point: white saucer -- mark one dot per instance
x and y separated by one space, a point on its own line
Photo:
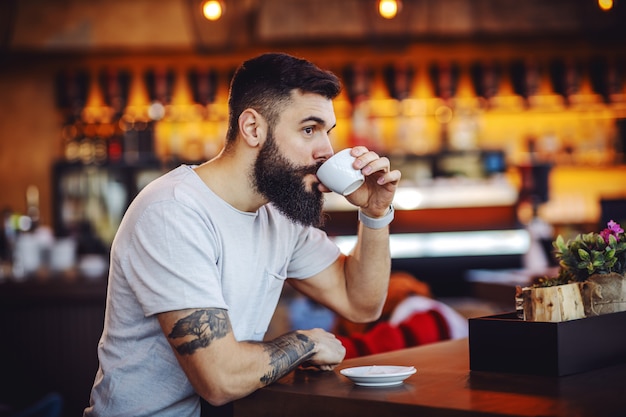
378 376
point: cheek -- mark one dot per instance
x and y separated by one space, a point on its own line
301 156
297 150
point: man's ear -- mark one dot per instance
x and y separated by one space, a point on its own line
252 127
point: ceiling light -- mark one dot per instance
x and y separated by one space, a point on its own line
389 8
605 4
212 9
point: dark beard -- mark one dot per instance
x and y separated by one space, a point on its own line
282 184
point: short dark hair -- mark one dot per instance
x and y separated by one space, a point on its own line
265 83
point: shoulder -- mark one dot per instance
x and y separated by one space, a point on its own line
176 199
180 186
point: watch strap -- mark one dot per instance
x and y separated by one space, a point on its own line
378 223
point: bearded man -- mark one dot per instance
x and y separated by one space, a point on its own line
201 256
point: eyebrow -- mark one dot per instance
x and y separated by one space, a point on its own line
317 120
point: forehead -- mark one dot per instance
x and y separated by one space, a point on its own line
306 107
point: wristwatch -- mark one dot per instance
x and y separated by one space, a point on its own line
377 223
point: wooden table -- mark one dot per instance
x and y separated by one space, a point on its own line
442 386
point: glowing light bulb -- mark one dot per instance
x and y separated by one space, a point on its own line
388 8
605 4
212 9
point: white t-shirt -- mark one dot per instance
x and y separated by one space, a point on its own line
180 246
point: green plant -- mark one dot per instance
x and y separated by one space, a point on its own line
546 281
591 253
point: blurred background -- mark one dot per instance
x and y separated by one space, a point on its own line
507 119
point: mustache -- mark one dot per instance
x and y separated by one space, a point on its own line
308 169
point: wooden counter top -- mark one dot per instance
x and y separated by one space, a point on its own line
442 386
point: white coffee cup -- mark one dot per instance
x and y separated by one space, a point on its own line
338 174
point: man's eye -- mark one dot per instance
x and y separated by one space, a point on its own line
308 130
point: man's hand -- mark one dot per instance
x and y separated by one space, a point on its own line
376 195
329 352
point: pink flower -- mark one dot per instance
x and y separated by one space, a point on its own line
612 229
615 227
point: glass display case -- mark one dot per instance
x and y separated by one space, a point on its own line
90 200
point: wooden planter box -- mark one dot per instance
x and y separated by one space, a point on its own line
600 294
505 343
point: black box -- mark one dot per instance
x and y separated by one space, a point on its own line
505 343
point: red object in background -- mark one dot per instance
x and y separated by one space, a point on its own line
424 328
381 338
418 329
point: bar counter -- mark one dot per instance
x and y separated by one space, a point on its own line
442 386
50 327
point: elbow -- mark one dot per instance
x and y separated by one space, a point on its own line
220 391
374 315
217 400
219 397
367 315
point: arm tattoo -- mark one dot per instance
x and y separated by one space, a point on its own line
286 353
204 326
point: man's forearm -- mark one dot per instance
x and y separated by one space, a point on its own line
222 369
367 270
286 353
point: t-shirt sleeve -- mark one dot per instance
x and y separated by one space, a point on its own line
313 253
171 264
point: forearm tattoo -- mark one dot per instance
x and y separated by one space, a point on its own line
286 353
203 326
